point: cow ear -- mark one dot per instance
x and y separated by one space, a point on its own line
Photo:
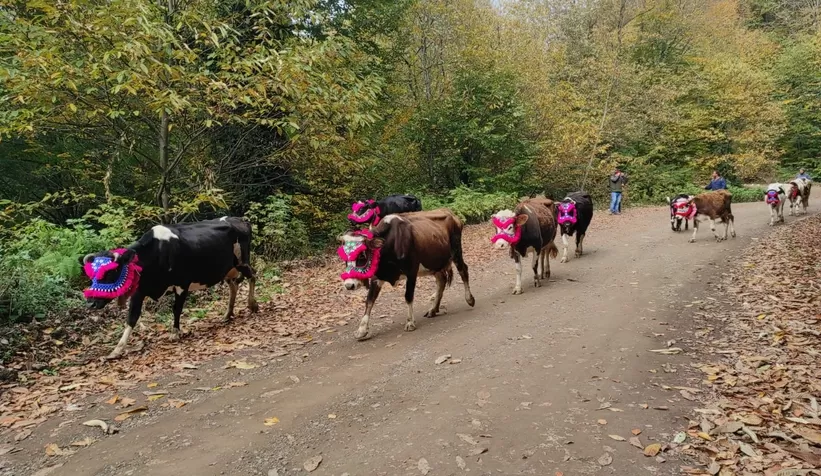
521 219
377 243
126 257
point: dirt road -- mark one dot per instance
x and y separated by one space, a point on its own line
535 383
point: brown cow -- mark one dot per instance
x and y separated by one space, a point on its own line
714 205
411 245
531 225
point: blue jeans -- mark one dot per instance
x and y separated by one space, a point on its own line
615 201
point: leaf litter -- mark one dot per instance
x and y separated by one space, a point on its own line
761 415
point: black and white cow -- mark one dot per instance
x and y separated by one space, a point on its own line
180 258
799 195
370 212
574 214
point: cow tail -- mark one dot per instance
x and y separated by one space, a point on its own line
553 250
456 245
448 276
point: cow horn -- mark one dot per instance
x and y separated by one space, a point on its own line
88 258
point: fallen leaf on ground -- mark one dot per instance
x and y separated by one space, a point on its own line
635 431
127 402
478 451
99 423
460 462
602 422
271 421
152 385
240 364
128 414
616 437
158 396
53 450
442 359
652 450
467 438
236 384
635 441
113 400
605 459
22 435
312 463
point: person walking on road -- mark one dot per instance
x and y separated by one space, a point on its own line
617 182
717 183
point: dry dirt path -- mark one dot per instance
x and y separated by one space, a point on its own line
536 379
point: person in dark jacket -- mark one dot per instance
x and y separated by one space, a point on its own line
617 182
717 183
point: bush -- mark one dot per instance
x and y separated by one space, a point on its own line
277 233
471 206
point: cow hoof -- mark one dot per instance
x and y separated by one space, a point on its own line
113 355
472 301
410 326
432 313
174 336
691 240
564 259
537 283
578 254
253 307
732 234
361 335
517 291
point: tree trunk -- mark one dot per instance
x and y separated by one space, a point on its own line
164 194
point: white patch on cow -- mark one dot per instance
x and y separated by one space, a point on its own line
518 288
238 251
352 284
350 237
224 219
391 218
163 233
564 244
410 325
118 350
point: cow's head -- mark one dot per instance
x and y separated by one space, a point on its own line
793 190
681 208
772 198
508 228
364 212
114 275
360 251
567 215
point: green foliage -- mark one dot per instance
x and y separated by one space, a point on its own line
277 234
470 205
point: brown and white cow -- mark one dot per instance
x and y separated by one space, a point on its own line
714 205
406 245
531 225
799 194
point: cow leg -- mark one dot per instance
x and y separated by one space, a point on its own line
461 266
579 245
781 212
731 225
410 287
232 298
695 230
373 293
441 281
713 229
135 308
517 258
545 265
564 253
179 303
772 215
537 255
251 276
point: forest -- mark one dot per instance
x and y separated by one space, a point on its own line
119 114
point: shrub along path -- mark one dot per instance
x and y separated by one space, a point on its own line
566 378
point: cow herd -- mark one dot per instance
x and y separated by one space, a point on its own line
389 240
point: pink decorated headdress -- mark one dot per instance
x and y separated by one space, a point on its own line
503 224
567 213
364 212
125 284
350 251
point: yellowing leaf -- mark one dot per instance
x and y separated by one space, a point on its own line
152 385
155 397
271 421
113 400
126 415
705 436
53 450
332 416
652 450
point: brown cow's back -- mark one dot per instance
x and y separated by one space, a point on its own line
545 211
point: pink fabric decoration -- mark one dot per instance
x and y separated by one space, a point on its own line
772 197
126 284
348 253
567 213
370 214
684 209
502 225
